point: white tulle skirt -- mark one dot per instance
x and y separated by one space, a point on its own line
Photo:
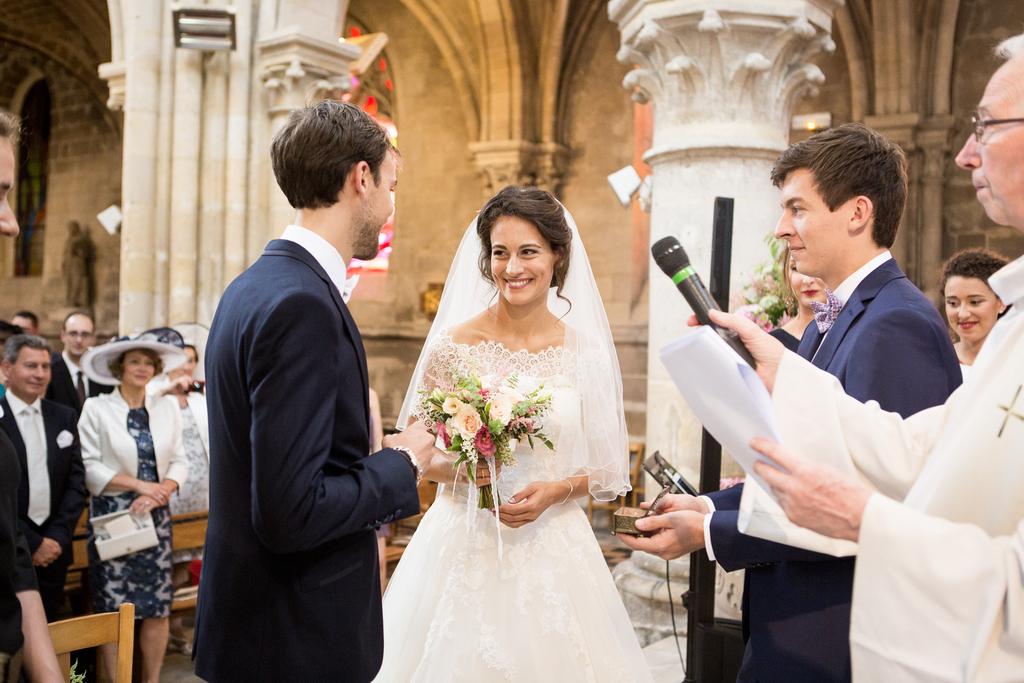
548 611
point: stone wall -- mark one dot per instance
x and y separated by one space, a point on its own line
84 178
981 26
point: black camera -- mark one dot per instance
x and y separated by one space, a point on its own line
666 475
196 386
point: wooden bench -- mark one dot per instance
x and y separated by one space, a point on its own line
189 531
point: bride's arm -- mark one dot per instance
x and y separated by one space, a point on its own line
530 503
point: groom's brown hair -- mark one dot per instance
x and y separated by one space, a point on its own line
316 150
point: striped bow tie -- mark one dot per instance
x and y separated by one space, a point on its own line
826 313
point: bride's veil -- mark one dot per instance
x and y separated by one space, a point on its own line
598 445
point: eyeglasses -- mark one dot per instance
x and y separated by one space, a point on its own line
80 335
979 125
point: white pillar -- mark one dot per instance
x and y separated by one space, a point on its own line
722 82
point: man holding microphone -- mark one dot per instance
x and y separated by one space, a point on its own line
935 501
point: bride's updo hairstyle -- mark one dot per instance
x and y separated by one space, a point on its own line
537 207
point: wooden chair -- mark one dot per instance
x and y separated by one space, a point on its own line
97 629
189 531
636 481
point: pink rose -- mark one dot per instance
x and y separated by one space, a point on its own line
443 433
484 443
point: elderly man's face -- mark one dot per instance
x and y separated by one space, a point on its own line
997 162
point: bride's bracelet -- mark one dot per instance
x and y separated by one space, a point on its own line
569 482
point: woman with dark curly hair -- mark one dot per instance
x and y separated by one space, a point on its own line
972 308
520 592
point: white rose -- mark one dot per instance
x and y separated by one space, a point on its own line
512 394
467 421
501 408
487 381
452 405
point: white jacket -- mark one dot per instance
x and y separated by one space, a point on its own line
108 448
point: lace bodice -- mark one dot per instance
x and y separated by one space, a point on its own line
531 370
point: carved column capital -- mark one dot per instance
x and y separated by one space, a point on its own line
506 162
935 138
114 74
295 67
733 71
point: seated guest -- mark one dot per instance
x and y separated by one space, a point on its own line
972 308
69 385
194 494
804 289
134 460
27 321
51 495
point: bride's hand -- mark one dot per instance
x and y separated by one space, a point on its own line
483 474
527 505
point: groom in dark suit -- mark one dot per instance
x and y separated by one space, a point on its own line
843 193
290 587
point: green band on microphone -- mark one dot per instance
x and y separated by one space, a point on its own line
683 274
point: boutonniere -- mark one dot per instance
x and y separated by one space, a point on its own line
65 439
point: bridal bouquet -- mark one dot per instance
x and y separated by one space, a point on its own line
486 417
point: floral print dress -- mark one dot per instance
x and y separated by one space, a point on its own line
143 577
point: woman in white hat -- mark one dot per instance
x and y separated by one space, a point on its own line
134 460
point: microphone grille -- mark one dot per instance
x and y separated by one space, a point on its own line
669 255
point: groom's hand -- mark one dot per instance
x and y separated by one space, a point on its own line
418 440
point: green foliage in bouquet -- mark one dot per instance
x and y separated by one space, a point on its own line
767 299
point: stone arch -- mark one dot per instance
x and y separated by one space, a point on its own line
577 30
33 76
454 48
942 67
850 20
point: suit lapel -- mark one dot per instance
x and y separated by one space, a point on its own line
290 249
866 291
51 428
11 425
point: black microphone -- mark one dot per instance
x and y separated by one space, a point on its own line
671 258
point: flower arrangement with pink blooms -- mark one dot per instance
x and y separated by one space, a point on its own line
766 300
486 418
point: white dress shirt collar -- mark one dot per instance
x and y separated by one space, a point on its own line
17 405
844 291
1008 283
75 371
324 253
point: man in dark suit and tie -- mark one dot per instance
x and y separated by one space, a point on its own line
843 193
68 384
52 493
290 589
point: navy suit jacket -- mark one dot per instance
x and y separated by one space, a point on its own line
62 389
889 345
290 585
68 494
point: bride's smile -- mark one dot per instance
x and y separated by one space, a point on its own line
522 261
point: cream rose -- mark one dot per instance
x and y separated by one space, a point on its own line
451 405
501 408
467 422
512 394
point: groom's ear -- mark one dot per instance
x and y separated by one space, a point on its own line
360 179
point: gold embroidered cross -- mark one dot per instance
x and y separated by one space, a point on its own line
1009 411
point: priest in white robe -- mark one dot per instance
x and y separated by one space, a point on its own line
936 501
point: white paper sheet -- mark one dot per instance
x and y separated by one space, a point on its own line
725 394
732 403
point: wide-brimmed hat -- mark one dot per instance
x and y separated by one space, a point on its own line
166 341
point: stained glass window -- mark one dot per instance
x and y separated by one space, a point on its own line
373 91
33 153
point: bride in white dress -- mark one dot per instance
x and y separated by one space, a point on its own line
530 599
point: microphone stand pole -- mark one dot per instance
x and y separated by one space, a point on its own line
711 650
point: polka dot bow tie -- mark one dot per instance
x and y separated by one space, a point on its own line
826 313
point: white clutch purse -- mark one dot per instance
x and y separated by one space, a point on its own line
123 533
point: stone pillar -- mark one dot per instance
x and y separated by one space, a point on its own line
298 70
139 97
902 129
722 82
935 141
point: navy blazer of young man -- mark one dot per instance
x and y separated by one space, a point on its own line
290 586
889 344
62 388
68 494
